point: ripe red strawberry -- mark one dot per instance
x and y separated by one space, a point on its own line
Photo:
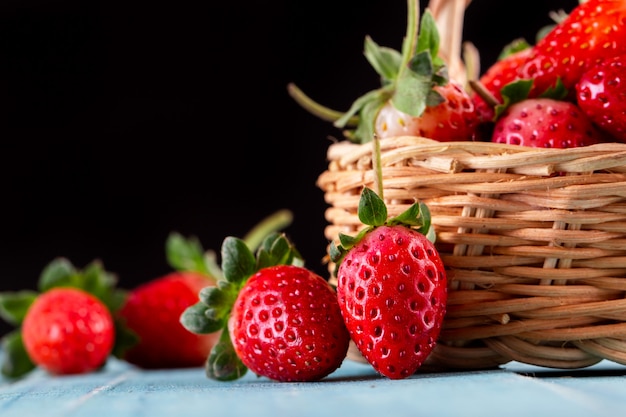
392 288
545 123
453 119
593 30
68 331
416 96
286 325
152 311
68 326
277 318
601 94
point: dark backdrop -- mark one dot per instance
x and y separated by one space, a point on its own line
122 121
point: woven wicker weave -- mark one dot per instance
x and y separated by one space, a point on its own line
534 242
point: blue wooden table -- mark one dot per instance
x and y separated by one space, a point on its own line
120 390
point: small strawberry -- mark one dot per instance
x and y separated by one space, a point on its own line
67 326
416 97
601 94
593 30
276 318
152 311
392 287
68 331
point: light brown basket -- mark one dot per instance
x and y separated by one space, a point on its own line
534 242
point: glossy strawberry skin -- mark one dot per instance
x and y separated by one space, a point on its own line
455 119
545 123
286 325
392 291
593 30
68 331
152 311
501 73
601 94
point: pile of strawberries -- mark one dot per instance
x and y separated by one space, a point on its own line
564 91
262 309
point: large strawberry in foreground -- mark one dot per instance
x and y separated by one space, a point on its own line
276 318
392 287
286 325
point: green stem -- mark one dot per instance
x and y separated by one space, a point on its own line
378 167
270 224
409 45
315 108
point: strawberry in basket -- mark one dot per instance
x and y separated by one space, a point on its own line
569 64
417 96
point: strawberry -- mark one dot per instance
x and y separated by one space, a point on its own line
416 96
68 331
601 94
68 326
286 325
452 119
392 287
593 30
545 123
152 311
276 318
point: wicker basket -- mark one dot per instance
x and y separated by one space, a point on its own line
534 242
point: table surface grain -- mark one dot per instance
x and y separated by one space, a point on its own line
121 390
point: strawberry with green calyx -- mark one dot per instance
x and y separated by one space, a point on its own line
96 287
391 284
276 317
152 310
416 96
548 121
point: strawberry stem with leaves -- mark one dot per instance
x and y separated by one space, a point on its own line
210 314
407 79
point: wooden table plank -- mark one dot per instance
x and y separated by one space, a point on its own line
121 390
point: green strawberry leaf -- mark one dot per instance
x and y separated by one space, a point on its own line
97 281
385 61
372 210
13 305
238 261
516 45
59 272
223 363
200 319
187 254
125 338
558 92
15 359
512 93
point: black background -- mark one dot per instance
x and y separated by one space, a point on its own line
122 121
